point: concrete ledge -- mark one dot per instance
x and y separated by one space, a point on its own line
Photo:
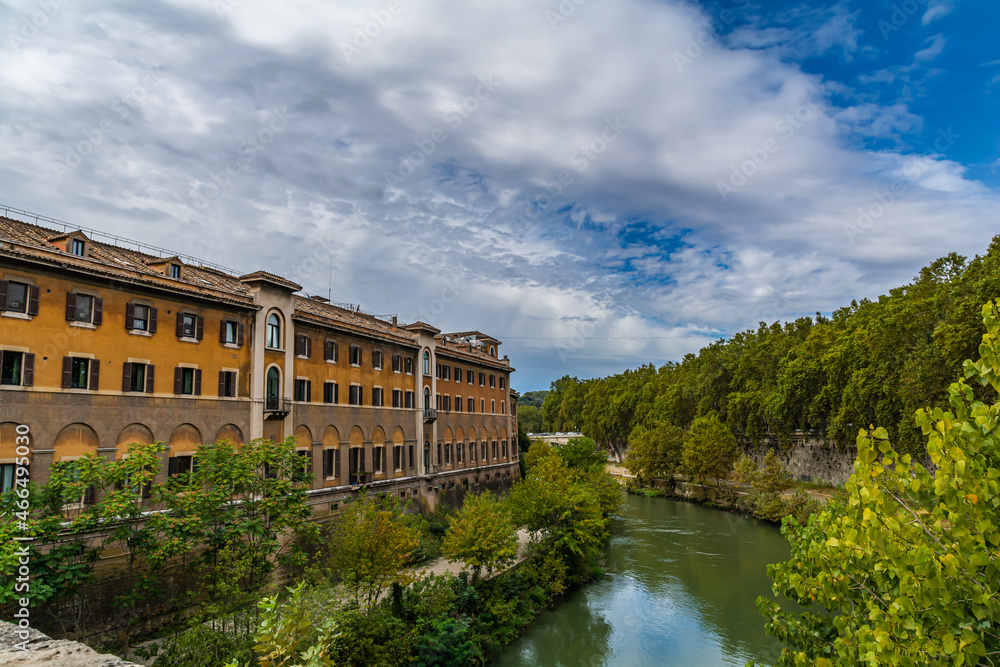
43 651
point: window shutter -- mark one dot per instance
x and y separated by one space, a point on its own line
180 324
299 346
89 496
70 306
178 381
222 377
3 295
28 376
67 374
309 391
95 374
98 311
328 350
336 352
152 320
200 329
239 334
149 378
126 376
129 316
172 466
222 333
197 382
309 346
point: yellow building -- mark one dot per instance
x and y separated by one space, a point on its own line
102 345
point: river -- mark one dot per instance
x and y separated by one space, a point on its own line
681 586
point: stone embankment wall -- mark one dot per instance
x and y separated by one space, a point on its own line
809 458
45 652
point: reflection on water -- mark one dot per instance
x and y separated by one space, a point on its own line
681 589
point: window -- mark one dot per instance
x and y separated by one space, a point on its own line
378 456
493 381
140 318
231 333
84 308
458 404
410 448
331 463
137 377
472 405
78 247
503 407
227 384
356 395
330 392
447 372
472 450
397 457
272 389
190 326
427 398
503 382
409 402
303 390
305 460
7 473
408 365
447 452
274 331
482 379
427 362
482 405
303 346
459 452
503 448
427 455
493 351
187 381
439 459
377 397
437 371
447 403
397 398
493 407
175 271
331 351
179 465
355 355
356 465
437 401
17 368
377 360
19 297
470 376
397 363
79 373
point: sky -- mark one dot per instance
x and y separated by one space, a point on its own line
598 183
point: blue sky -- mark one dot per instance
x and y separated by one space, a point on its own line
599 183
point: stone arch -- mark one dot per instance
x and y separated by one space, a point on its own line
398 436
230 432
185 438
483 435
459 434
131 435
331 437
503 433
303 436
356 437
282 328
378 436
493 433
447 434
76 440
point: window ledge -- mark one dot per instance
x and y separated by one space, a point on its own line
331 361
139 332
274 349
231 346
187 339
355 365
16 315
83 325
301 356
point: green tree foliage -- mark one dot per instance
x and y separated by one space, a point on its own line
907 567
369 545
709 450
581 454
531 417
655 452
481 535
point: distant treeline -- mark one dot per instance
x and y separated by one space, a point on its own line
873 362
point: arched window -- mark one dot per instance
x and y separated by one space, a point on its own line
493 351
273 331
272 390
427 398
427 455
427 362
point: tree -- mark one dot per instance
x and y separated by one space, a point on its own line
709 450
907 566
369 545
655 452
481 534
582 454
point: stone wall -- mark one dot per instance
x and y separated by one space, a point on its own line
45 652
810 458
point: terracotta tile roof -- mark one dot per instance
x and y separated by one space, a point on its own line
335 317
452 348
271 278
28 241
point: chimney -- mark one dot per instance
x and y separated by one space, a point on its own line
394 322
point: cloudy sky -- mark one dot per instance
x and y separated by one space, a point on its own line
599 183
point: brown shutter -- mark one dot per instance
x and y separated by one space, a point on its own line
152 320
98 311
95 374
200 329
239 334
70 306
197 382
222 380
222 333
67 373
150 369
328 350
3 294
129 317
336 352
309 391
309 346
178 380
28 377
171 466
298 345
180 324
126 376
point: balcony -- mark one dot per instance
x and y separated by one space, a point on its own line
276 409
430 415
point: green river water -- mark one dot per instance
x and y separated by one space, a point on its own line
681 586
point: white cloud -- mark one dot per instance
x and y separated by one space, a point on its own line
937 9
